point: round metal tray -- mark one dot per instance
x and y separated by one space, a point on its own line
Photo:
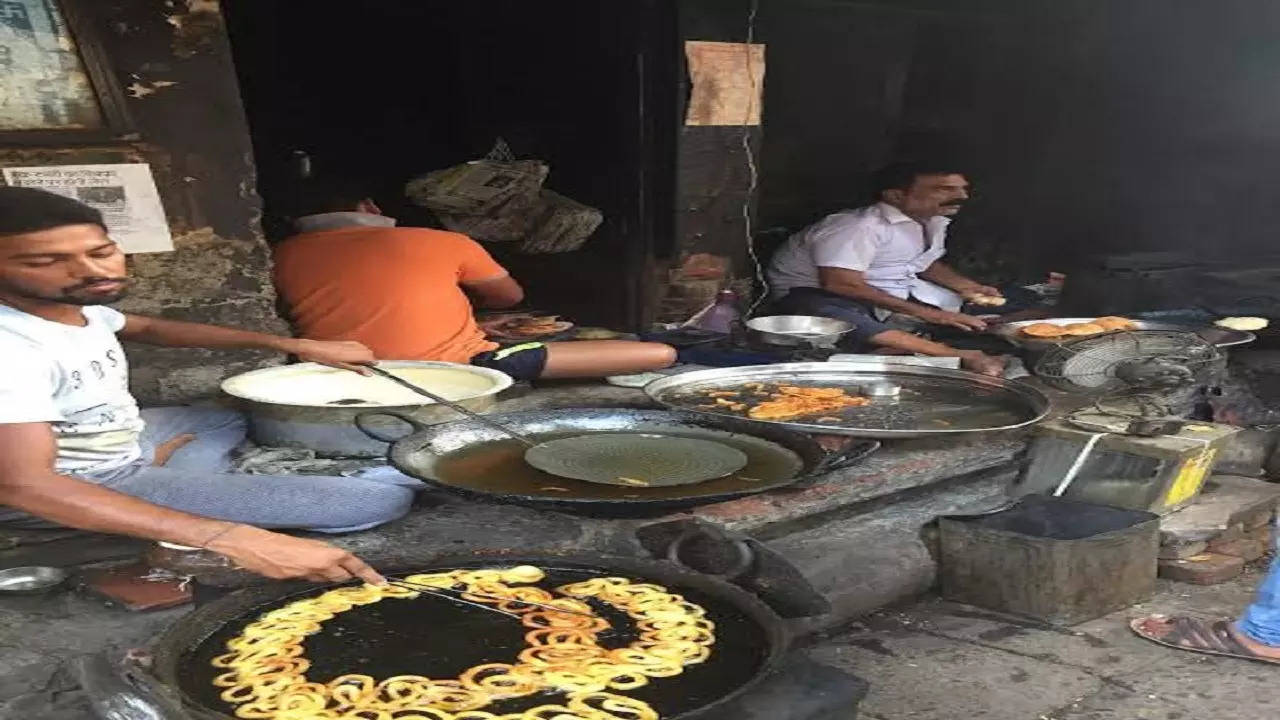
930 402
1220 337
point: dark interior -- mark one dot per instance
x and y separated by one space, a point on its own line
1086 127
393 89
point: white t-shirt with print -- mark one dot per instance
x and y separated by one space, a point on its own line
76 379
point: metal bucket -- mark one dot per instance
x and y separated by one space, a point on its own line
294 405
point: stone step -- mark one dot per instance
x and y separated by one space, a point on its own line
878 558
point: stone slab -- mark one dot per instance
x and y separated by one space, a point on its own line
1225 501
1182 550
1204 569
1245 548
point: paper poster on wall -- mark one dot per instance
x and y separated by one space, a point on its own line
728 83
125 194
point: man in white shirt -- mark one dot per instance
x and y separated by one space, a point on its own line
862 265
75 450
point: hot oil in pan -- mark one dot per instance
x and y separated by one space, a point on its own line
499 467
924 404
438 639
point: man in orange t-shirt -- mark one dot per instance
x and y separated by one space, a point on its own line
351 274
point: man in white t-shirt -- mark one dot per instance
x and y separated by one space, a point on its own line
862 265
75 450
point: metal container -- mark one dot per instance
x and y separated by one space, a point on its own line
1059 561
1156 474
931 401
32 580
314 406
798 330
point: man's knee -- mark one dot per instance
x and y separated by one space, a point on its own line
379 503
196 419
220 418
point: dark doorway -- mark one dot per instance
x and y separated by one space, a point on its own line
390 89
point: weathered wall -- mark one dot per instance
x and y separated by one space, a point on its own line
713 181
174 61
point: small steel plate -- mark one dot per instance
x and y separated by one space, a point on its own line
31 580
636 459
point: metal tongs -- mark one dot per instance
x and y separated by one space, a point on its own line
456 596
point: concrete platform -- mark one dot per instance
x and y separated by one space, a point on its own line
940 661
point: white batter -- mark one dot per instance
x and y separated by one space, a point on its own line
321 386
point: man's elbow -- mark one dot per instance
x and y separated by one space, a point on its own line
512 298
508 297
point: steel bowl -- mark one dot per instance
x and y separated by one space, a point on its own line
798 330
32 580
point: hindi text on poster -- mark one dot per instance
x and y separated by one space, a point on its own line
125 194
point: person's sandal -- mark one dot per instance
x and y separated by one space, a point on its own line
1208 637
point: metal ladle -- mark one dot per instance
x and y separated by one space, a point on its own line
453 406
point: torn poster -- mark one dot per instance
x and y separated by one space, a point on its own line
125 194
728 83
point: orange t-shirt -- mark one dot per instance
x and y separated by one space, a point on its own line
397 290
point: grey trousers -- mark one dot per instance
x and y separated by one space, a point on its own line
197 480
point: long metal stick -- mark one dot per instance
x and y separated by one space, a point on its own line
452 405
440 594
447 591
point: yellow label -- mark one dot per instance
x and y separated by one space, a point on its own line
1190 478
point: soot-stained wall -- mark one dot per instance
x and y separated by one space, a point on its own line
174 62
1087 127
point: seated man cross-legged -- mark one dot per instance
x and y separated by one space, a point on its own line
406 293
76 451
863 265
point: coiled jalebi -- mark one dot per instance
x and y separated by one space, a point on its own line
265 671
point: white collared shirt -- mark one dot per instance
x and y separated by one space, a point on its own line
887 247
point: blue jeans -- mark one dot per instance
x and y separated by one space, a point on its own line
197 480
821 303
1261 621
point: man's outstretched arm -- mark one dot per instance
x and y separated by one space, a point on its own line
175 333
29 482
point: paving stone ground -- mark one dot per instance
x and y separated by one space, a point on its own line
935 660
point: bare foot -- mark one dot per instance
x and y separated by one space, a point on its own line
1257 648
165 450
983 363
1212 637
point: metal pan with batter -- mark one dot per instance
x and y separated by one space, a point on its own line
475 460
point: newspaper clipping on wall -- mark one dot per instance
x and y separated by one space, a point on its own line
125 194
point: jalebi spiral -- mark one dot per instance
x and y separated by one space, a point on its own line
264 674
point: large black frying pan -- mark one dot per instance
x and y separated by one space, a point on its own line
473 459
436 638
